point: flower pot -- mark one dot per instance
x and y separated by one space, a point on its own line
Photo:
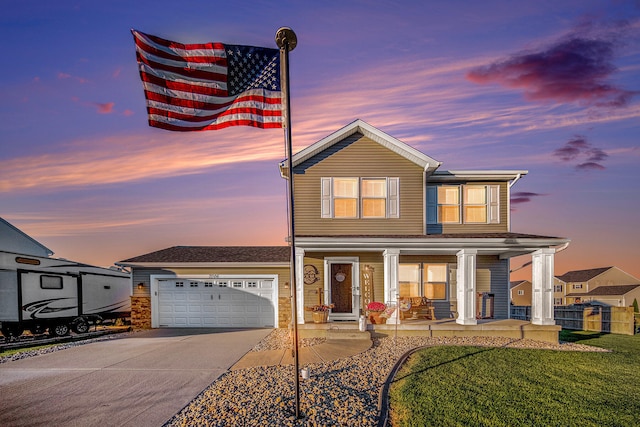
320 316
375 319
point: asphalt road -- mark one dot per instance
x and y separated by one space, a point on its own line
140 380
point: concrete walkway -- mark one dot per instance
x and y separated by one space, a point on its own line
338 346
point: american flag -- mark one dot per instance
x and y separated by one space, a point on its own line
209 86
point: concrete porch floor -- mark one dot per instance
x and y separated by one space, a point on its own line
508 328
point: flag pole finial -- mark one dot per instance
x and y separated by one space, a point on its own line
286 35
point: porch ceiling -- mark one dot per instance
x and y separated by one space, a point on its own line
504 245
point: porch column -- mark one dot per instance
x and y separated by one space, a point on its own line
466 287
391 267
542 287
300 284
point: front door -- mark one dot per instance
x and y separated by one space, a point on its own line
342 287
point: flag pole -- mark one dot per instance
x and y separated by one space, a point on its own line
286 40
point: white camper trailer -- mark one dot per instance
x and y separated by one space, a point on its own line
39 293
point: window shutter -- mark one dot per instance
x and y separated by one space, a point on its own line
493 204
325 198
432 204
393 202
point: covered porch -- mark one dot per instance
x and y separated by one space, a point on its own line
464 254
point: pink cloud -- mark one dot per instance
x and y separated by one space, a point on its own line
128 113
572 69
106 108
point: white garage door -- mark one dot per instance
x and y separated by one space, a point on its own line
221 302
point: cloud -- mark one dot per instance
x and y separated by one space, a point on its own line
521 197
590 166
579 148
136 158
106 108
65 76
573 69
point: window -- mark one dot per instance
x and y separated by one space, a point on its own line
423 280
374 198
50 282
345 197
449 204
557 301
520 292
468 204
348 197
557 288
475 203
578 286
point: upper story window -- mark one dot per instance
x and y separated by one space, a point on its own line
557 288
463 204
347 197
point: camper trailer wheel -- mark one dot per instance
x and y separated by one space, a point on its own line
37 329
10 331
59 330
80 326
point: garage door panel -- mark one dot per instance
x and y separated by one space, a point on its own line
238 302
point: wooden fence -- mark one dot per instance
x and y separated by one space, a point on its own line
615 320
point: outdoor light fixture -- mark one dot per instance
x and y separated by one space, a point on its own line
140 286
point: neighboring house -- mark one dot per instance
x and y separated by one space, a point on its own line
521 292
580 282
612 295
376 220
14 240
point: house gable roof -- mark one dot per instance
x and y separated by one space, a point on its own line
213 254
359 126
582 275
609 290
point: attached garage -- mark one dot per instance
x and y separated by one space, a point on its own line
210 302
211 287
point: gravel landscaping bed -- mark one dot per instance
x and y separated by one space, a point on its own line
344 392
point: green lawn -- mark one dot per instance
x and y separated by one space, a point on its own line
473 386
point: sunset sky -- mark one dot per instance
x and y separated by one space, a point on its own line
552 87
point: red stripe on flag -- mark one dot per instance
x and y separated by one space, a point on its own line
181 86
190 73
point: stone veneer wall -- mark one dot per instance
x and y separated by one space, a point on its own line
284 312
141 312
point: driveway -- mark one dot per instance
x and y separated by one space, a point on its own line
139 380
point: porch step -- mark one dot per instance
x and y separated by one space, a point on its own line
347 334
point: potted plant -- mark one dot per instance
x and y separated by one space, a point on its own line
374 310
320 312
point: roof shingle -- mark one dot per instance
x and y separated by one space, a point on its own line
188 254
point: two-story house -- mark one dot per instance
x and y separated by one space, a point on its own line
375 220
579 283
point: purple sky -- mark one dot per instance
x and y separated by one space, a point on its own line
552 87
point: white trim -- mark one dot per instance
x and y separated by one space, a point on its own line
542 287
155 278
466 287
355 286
